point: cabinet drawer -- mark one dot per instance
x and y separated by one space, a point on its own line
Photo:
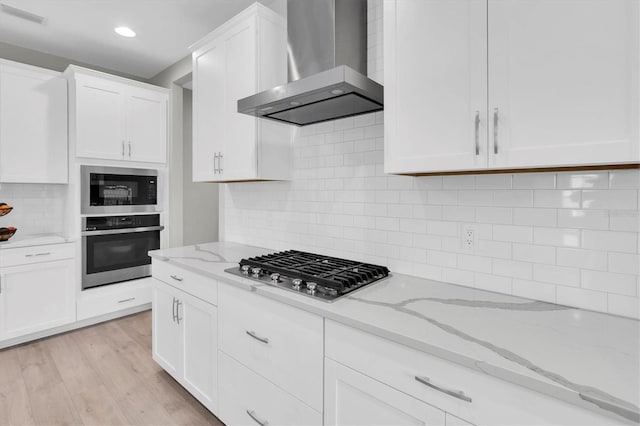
493 401
113 298
197 285
36 254
247 398
281 343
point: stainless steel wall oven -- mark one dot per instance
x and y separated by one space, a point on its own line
114 248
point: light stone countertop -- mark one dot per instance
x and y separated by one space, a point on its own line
19 240
582 357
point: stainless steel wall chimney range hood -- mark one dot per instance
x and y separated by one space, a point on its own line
327 61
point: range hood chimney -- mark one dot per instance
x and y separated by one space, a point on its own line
327 65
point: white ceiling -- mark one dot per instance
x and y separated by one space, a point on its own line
82 30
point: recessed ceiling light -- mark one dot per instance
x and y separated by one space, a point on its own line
125 31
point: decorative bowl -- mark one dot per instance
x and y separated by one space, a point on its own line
5 209
6 233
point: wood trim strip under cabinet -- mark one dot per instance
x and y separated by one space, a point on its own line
528 170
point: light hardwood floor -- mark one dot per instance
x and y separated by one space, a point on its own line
99 375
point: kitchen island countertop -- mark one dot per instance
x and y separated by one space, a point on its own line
582 357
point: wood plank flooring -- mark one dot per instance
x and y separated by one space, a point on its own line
99 375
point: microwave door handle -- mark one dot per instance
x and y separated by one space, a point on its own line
121 231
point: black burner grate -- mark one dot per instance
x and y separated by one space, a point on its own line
332 272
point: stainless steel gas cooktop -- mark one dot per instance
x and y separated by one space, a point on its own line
321 277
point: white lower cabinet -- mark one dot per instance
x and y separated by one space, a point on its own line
464 393
185 341
36 297
37 289
351 398
247 398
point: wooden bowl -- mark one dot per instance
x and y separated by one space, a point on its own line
6 233
5 209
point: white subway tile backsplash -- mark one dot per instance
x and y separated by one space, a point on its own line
582 298
621 179
583 180
534 181
610 282
623 305
535 216
587 219
533 253
560 237
556 199
579 258
534 290
610 241
624 263
615 199
556 275
565 237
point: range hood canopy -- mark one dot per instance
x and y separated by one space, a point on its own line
327 60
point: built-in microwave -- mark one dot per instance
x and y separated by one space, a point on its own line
115 190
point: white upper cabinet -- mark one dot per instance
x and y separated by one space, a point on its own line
563 82
435 85
113 118
244 56
501 84
33 124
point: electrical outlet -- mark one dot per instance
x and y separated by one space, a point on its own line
469 238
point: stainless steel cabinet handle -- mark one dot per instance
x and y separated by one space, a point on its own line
37 254
215 163
495 130
174 310
178 304
255 418
455 393
177 278
123 149
477 129
129 149
220 163
126 300
255 336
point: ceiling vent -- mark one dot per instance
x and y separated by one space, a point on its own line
23 14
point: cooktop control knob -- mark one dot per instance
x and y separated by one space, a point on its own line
275 278
311 288
256 272
245 269
296 282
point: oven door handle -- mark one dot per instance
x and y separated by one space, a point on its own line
121 231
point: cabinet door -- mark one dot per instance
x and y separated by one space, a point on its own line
36 297
167 333
33 126
351 398
239 159
100 131
146 126
199 348
209 127
563 82
435 85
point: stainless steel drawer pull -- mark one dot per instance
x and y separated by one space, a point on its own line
477 135
454 393
495 130
178 303
174 309
255 336
126 300
177 278
255 418
38 254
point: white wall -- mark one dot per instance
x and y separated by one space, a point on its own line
570 238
